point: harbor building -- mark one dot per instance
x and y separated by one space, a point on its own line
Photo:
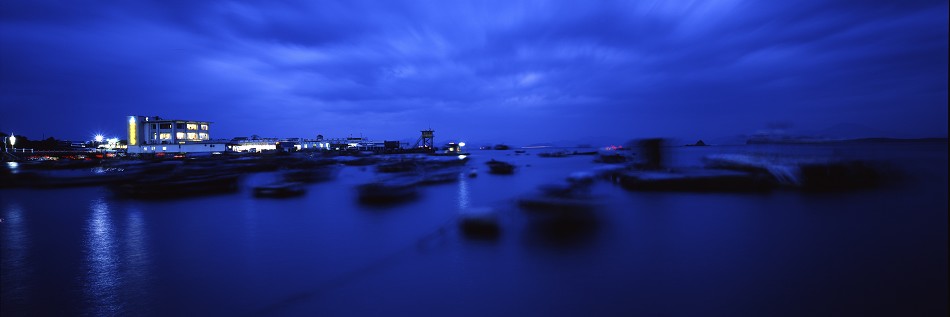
157 135
253 144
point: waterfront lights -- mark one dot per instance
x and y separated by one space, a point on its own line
12 140
99 138
461 144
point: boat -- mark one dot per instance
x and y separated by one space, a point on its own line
559 199
385 192
62 164
397 166
311 175
479 223
613 156
356 161
696 180
561 212
554 154
279 190
499 167
176 185
431 177
72 178
810 174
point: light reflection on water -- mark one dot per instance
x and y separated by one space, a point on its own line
463 193
102 279
15 268
136 262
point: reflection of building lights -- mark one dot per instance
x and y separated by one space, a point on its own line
461 157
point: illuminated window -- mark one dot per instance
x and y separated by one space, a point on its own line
192 136
204 127
192 126
203 136
164 148
165 136
179 135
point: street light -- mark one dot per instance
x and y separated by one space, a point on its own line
13 142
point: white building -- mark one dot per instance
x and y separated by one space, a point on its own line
157 135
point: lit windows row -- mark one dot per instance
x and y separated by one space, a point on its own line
191 136
180 126
181 136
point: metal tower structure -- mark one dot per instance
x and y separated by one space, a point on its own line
426 140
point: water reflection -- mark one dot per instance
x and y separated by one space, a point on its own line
14 270
102 280
136 262
463 193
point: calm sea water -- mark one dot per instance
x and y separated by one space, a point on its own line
883 251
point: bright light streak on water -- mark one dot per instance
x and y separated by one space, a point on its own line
102 279
136 261
463 193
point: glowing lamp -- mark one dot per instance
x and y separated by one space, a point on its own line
12 140
461 144
99 138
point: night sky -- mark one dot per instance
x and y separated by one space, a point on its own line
477 71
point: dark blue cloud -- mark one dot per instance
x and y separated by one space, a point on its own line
523 71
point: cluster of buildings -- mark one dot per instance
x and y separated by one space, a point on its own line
154 135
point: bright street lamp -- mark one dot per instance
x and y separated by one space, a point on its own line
13 142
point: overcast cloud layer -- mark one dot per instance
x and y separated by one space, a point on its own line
525 71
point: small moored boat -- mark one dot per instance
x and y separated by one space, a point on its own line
279 190
499 167
384 192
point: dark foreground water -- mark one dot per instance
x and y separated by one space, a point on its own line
872 252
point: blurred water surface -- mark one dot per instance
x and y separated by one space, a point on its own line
883 251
